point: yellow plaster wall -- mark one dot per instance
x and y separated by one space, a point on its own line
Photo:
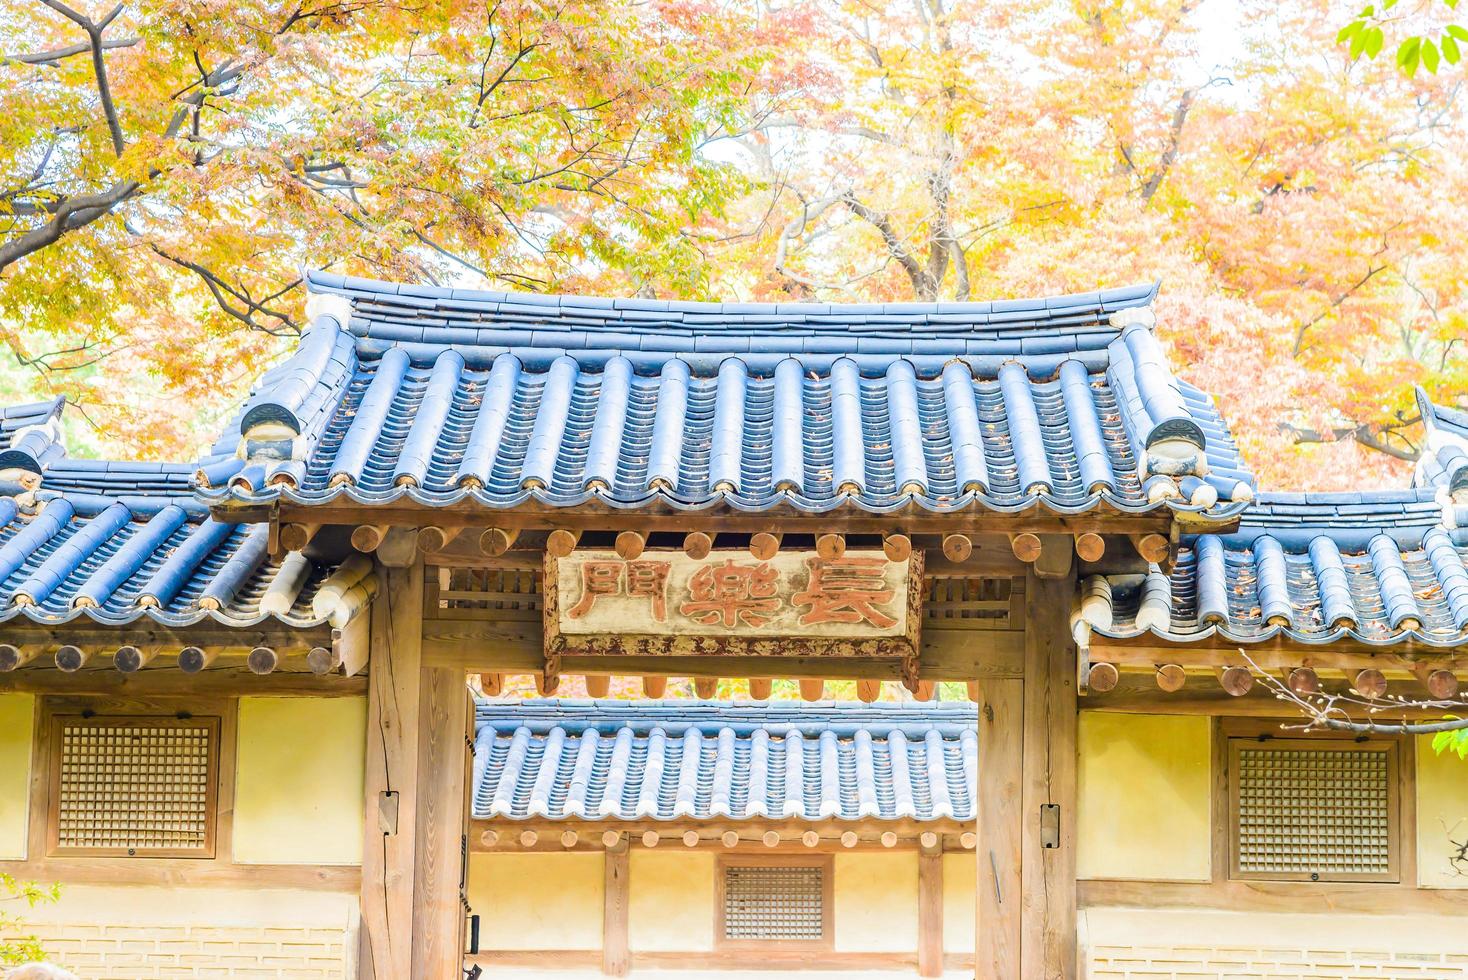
672 901
960 897
147 932
1188 944
876 902
1145 788
538 901
1442 816
17 727
300 780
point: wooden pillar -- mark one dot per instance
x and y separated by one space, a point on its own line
998 819
417 723
930 910
390 838
444 718
615 958
1048 814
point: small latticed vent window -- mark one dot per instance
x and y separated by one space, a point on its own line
135 786
1314 810
777 903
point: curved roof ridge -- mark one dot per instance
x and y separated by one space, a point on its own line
540 715
1095 302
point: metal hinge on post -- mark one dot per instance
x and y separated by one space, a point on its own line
1049 825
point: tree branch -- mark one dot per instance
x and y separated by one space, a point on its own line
922 287
1364 434
57 55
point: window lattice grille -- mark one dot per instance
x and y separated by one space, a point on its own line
774 903
134 787
1304 811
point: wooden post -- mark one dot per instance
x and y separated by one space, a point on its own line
444 719
930 911
1001 717
615 959
1048 808
390 836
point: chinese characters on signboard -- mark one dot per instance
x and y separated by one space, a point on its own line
730 602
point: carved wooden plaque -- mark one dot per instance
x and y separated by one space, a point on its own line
795 604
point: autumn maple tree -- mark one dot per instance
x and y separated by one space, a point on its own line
169 168
1295 202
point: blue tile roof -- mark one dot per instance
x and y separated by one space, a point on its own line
1376 567
1444 459
442 395
620 760
122 560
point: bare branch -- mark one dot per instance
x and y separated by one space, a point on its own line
1364 434
94 31
57 55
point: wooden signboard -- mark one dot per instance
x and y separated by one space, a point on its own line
795 604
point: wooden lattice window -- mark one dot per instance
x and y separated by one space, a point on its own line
134 787
775 902
975 603
1314 809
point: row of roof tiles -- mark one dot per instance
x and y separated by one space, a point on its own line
78 556
381 418
624 761
1379 570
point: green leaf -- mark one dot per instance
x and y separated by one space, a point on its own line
1458 32
1350 30
1374 39
1451 51
1408 54
1430 56
1358 44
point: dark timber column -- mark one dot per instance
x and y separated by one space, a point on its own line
998 818
390 838
438 918
1048 862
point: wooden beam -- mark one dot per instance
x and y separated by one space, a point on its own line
515 647
831 546
534 516
998 825
868 691
616 960
13 657
1370 683
1171 677
433 539
630 545
445 727
930 908
654 686
706 687
1152 547
1048 862
765 545
367 537
811 689
263 660
1090 546
957 547
562 541
295 536
760 687
598 685
1236 680
1027 547
496 541
897 547
1057 556
389 835
399 548
698 544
